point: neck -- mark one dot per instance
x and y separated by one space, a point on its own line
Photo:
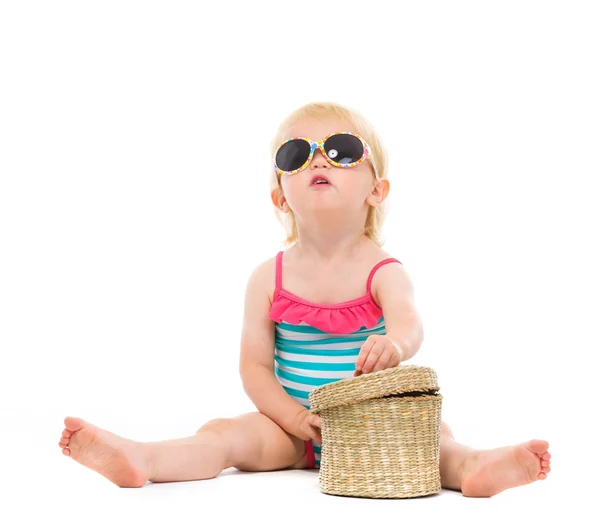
329 243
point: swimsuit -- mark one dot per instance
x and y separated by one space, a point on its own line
317 344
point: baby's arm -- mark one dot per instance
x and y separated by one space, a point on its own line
257 354
392 289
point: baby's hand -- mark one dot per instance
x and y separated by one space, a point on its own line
308 426
378 353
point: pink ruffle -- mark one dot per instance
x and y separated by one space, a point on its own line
334 319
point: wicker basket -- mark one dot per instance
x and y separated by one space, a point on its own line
380 434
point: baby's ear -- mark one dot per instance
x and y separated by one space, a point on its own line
278 200
379 193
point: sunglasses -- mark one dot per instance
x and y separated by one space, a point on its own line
341 149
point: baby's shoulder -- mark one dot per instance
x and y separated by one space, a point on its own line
390 277
374 255
263 277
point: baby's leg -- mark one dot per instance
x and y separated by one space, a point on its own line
248 442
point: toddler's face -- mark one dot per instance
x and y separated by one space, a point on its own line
348 188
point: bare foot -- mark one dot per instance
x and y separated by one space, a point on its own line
118 459
489 472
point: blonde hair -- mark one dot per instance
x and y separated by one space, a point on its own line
375 215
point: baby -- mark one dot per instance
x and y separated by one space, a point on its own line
333 305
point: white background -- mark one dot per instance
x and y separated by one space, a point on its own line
134 204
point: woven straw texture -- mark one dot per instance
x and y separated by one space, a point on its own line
380 434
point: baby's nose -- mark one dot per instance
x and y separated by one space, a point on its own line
318 160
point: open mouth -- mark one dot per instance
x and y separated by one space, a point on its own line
319 180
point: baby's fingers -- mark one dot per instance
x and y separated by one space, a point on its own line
383 361
374 356
316 436
364 354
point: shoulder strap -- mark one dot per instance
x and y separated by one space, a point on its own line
278 274
376 267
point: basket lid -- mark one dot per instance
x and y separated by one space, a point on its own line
396 380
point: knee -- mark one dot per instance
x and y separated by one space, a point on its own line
217 425
446 430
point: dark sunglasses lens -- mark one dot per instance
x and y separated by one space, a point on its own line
292 155
344 148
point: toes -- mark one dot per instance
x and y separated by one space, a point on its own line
67 433
64 441
538 446
545 463
66 451
542 475
74 423
546 455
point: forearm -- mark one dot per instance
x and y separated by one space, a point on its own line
408 336
269 397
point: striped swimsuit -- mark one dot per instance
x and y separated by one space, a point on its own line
316 344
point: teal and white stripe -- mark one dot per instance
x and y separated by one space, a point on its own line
306 357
